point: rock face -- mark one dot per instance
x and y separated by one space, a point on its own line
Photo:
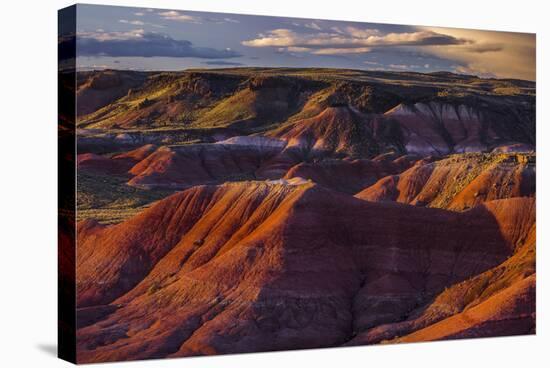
318 208
299 266
256 97
459 182
255 141
340 131
374 112
442 128
117 164
136 155
509 312
260 101
97 89
185 166
336 130
460 297
242 101
349 176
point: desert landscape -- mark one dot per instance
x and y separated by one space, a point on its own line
248 209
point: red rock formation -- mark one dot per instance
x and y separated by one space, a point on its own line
117 164
254 267
97 89
324 233
516 218
101 164
136 155
185 166
509 312
337 130
349 176
505 180
403 188
458 182
439 128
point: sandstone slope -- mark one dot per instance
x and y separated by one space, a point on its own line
258 266
458 182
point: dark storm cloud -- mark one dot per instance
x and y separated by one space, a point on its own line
480 49
139 43
438 39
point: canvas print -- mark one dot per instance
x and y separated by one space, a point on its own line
235 183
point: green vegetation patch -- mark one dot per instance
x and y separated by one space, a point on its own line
109 199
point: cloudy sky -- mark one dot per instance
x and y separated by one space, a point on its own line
154 39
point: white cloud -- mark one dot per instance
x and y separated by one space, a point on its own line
139 14
399 66
313 25
362 33
179 17
337 30
348 38
484 53
499 54
132 22
294 49
337 51
100 35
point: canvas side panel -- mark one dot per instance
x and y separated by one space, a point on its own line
66 183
